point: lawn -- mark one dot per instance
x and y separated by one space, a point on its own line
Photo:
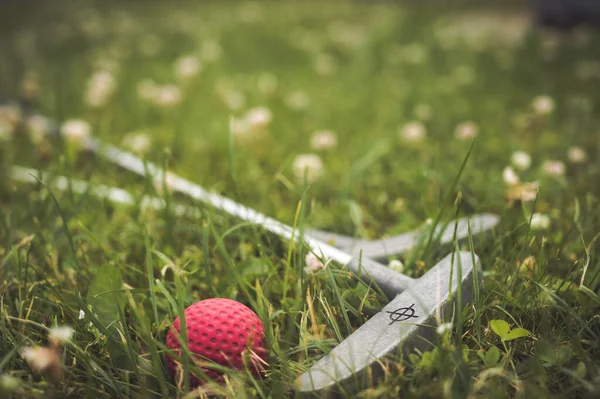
361 118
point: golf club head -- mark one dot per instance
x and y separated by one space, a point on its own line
398 244
407 323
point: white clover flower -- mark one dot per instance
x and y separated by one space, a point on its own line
187 67
466 131
413 132
554 168
297 100
313 263
41 359
38 127
442 328
540 221
510 177
396 265
137 142
323 140
60 334
422 112
258 118
576 155
521 160
543 105
309 165
529 191
76 131
146 89
167 96
525 192
100 88
267 83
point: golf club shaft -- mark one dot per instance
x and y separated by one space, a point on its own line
388 280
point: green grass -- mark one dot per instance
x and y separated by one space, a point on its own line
367 70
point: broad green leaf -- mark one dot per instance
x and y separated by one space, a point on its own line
105 295
517 333
107 300
500 327
481 354
118 354
492 356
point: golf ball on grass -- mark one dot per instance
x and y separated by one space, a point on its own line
222 331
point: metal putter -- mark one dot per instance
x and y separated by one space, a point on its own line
386 247
407 323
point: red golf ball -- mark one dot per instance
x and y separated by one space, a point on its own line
222 331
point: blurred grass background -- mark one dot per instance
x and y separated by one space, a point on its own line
367 71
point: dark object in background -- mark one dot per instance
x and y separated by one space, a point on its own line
567 14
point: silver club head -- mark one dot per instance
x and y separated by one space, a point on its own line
365 254
398 244
406 323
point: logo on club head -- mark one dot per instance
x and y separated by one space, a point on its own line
402 314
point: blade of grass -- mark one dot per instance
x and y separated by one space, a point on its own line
181 294
150 271
205 254
339 299
476 287
445 201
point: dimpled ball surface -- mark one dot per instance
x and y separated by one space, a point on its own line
220 330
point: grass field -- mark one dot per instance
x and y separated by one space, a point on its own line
350 117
